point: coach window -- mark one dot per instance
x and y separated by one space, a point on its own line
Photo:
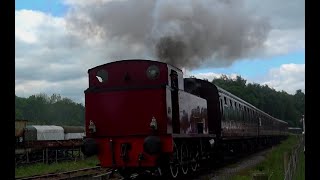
249 114
270 122
249 117
221 107
235 110
240 112
252 117
245 113
231 110
260 123
226 109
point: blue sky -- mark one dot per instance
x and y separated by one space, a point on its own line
257 67
43 28
53 7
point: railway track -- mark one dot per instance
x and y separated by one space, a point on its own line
85 173
99 173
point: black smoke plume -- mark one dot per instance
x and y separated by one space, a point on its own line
185 33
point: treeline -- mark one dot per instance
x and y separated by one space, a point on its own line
281 105
41 109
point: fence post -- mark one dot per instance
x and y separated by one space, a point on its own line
47 156
27 157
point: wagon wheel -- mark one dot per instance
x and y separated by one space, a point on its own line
184 158
173 164
194 159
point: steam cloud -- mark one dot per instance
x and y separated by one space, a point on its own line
185 33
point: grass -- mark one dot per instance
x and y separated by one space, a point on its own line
273 165
40 168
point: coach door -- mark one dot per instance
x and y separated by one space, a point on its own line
175 101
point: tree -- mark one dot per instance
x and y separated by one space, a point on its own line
54 110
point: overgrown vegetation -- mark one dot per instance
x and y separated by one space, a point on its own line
40 168
273 165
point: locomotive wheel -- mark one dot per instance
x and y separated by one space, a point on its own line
184 158
125 172
174 165
194 160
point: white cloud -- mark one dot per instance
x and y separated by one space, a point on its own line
49 59
31 25
288 77
287 19
283 14
282 42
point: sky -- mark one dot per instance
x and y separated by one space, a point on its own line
57 41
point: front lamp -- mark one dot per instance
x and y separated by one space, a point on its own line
153 72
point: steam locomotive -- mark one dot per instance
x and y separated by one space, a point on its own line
142 114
